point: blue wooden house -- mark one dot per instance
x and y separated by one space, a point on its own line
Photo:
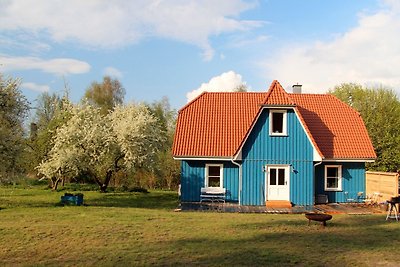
272 146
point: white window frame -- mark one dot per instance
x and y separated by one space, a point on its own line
284 122
340 178
221 175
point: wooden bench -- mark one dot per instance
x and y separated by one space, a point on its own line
213 194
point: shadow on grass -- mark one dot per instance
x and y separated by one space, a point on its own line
152 200
37 198
27 198
338 222
298 246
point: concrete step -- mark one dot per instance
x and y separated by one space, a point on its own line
278 204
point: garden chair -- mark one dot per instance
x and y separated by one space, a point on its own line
372 199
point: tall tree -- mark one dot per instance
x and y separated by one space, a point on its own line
99 146
380 109
241 88
166 168
47 107
105 95
52 111
13 110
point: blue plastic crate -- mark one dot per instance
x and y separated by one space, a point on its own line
72 199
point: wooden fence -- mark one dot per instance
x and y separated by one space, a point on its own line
383 184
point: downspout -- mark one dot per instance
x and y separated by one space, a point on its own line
240 179
315 165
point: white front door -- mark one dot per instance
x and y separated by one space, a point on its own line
277 183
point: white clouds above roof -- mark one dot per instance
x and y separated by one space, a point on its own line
368 54
226 82
110 24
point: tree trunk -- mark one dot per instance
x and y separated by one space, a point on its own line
169 179
103 187
97 180
54 184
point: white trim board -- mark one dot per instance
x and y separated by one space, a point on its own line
202 158
348 160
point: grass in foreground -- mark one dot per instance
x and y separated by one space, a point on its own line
119 229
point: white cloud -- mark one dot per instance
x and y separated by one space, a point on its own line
368 54
115 23
113 72
23 42
59 66
226 82
36 87
243 41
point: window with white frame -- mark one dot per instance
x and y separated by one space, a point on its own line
333 178
277 122
214 175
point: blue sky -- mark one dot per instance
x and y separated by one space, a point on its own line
178 48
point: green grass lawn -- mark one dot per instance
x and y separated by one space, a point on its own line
120 229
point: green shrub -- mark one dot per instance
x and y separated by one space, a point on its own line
139 190
22 181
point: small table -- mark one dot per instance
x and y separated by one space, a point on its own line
393 212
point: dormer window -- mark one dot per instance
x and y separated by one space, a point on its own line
277 122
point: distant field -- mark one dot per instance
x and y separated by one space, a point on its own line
120 229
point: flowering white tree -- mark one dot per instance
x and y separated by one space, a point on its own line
99 146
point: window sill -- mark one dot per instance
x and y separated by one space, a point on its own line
333 190
279 135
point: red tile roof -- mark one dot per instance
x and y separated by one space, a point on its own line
216 124
277 96
337 129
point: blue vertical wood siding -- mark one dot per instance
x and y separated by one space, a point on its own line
261 149
193 177
353 181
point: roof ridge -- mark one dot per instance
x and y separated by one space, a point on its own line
192 101
307 94
233 92
206 92
276 95
344 104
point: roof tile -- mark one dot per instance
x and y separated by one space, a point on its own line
337 129
214 124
